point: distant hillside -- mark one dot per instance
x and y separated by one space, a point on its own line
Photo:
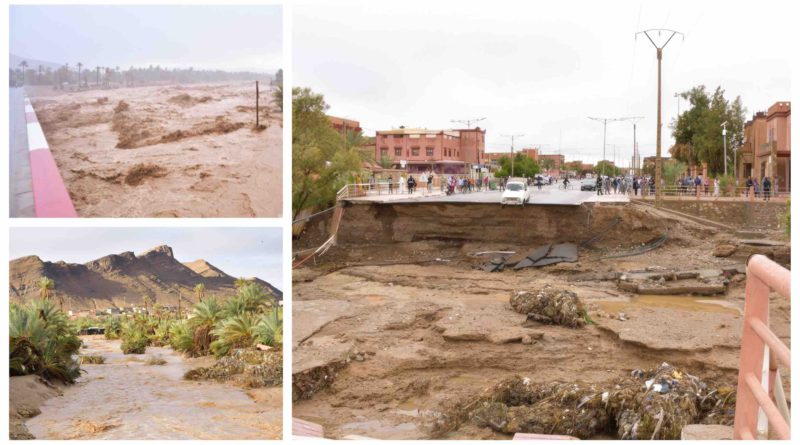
14 61
120 280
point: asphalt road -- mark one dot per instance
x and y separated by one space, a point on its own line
549 195
20 192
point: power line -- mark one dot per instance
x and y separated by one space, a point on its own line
468 122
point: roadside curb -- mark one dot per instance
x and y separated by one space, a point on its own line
50 196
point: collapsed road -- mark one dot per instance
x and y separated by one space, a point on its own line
402 321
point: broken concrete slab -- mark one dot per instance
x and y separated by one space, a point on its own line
567 251
538 253
675 282
549 254
683 287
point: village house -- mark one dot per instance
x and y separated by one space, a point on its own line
441 151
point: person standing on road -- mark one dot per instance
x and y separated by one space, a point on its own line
705 185
747 184
430 182
767 188
391 185
716 187
486 183
411 184
599 185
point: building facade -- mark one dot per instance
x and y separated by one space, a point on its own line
342 125
441 151
767 149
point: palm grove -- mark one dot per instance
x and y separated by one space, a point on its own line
45 342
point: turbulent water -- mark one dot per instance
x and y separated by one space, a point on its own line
125 398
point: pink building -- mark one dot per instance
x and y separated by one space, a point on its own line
442 151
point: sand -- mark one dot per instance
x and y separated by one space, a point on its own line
26 394
166 150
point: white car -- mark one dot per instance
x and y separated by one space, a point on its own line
516 193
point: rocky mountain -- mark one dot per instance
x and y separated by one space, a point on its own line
121 280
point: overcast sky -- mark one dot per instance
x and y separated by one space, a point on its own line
245 37
240 252
538 68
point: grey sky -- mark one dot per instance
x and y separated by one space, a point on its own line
240 252
536 68
247 37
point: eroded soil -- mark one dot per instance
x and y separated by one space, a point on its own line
402 330
166 151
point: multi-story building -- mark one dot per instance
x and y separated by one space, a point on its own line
343 125
440 151
755 131
766 150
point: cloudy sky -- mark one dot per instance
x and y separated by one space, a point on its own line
536 68
240 252
245 37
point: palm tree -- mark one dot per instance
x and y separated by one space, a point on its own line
46 286
80 65
146 300
241 282
200 291
23 65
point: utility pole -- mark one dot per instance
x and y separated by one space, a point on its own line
635 159
512 136
724 126
659 50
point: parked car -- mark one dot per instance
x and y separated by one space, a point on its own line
517 192
588 185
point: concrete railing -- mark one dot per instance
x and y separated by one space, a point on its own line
760 348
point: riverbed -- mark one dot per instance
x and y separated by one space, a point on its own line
126 398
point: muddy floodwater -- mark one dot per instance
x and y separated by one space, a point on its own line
125 398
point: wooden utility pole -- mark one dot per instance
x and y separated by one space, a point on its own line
256 104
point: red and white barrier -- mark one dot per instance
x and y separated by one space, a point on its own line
50 196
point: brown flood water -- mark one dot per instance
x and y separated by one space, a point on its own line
128 399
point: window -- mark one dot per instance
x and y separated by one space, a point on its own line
398 151
429 151
415 151
413 136
384 153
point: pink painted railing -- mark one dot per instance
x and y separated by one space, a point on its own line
763 276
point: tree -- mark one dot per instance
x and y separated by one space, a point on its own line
146 301
321 161
200 291
672 169
46 286
277 96
241 282
524 166
698 131
607 168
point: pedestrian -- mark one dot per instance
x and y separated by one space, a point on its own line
391 185
698 181
411 184
599 185
756 189
400 183
705 184
716 187
486 183
747 185
635 187
767 189
430 182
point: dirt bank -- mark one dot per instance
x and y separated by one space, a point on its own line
26 394
392 328
127 398
166 151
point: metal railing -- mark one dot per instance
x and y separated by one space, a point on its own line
692 192
760 347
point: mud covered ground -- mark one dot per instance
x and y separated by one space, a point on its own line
128 398
398 331
166 151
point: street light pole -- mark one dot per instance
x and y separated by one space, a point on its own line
512 136
724 126
659 50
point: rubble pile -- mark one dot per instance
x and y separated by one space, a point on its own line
654 404
308 382
550 305
248 367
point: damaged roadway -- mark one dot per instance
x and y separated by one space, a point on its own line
390 333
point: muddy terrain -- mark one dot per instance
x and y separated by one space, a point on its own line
392 331
129 398
166 151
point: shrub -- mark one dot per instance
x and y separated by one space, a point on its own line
134 339
180 337
92 359
787 218
233 332
155 361
269 327
113 327
42 342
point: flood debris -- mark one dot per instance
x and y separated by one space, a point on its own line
248 367
550 305
646 405
663 281
538 257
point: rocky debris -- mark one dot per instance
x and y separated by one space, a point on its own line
674 282
742 249
654 404
312 380
550 305
250 367
724 250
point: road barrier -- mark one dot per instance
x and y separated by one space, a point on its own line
50 196
760 347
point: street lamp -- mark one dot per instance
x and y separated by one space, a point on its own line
724 126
